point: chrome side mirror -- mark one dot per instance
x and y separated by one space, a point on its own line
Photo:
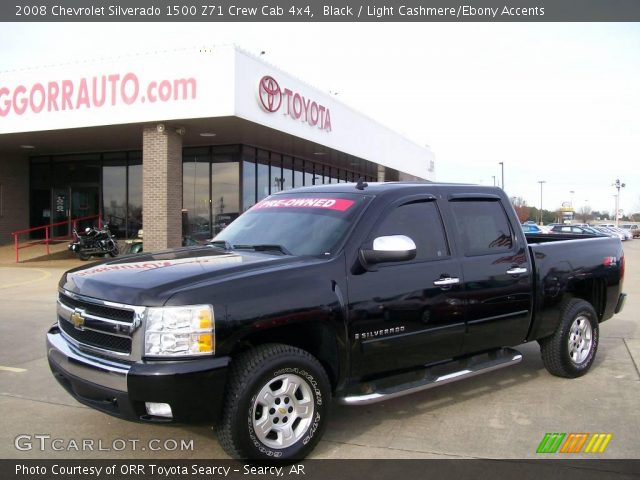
391 248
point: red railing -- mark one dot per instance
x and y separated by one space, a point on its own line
47 237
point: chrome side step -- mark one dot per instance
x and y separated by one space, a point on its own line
405 384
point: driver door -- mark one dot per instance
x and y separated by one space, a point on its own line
405 314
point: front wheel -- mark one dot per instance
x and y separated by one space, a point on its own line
115 251
571 350
83 256
276 405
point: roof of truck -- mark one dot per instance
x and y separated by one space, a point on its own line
376 188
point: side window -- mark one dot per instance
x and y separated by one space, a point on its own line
483 227
421 222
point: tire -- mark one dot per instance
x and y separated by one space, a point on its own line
115 251
270 386
571 350
84 256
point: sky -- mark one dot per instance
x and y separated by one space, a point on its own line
552 101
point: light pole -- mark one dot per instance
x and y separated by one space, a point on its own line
541 182
618 186
494 180
573 209
502 173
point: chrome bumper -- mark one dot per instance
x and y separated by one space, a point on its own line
96 370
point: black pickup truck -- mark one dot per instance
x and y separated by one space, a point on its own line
352 292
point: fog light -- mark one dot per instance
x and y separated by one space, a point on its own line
159 409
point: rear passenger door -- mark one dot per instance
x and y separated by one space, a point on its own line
406 314
495 265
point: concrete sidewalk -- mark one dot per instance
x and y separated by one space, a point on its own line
35 255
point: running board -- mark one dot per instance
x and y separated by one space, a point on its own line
416 381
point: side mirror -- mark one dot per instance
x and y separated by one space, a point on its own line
392 248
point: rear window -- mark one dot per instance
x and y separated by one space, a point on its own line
483 227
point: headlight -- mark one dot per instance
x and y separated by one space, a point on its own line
180 331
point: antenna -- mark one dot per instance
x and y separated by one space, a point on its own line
361 185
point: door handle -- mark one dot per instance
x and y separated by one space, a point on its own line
444 282
516 271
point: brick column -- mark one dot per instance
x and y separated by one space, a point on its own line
161 188
14 196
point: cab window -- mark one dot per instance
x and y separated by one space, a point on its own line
422 223
483 227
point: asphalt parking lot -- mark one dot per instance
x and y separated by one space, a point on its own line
503 414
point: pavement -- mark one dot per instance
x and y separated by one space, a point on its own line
502 414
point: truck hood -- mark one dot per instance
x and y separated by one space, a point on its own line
151 279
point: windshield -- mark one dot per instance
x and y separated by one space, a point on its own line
296 224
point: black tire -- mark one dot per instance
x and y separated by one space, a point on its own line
262 368
115 251
556 351
84 256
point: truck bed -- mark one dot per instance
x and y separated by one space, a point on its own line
568 265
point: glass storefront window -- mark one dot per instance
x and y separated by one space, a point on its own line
134 214
248 184
264 182
225 197
114 198
277 181
195 199
298 174
287 173
308 174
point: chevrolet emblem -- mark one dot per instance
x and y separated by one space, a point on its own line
77 319
282 410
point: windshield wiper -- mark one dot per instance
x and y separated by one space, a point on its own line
266 247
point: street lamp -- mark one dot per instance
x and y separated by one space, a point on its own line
618 186
502 172
494 180
541 182
573 209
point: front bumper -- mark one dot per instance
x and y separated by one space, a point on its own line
193 388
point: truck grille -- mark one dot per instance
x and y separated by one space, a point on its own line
93 323
112 313
97 339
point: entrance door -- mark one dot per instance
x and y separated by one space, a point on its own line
71 202
85 203
61 210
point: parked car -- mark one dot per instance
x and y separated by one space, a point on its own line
605 231
572 229
633 228
533 228
342 291
628 235
611 230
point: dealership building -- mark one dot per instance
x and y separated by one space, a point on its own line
179 143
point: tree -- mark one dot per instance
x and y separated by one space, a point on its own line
520 206
584 214
550 217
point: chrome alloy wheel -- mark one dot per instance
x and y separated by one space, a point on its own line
282 411
580 339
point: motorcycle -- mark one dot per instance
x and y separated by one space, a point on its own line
94 242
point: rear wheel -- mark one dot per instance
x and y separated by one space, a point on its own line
276 405
571 350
